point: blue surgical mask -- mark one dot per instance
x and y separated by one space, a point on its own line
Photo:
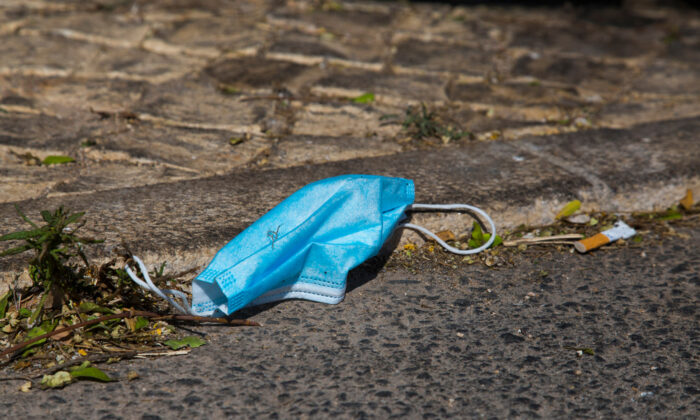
305 246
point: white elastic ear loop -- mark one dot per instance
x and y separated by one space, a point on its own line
452 207
149 286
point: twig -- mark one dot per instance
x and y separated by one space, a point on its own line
544 243
95 358
129 314
15 378
14 294
193 318
162 353
157 280
544 239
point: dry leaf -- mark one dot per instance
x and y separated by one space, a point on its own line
22 364
61 335
687 201
446 235
26 386
57 380
469 260
130 322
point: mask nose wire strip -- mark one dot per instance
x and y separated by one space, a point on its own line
444 244
150 287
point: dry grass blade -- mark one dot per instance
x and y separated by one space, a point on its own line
96 358
545 239
163 353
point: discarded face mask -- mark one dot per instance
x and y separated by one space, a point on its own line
306 245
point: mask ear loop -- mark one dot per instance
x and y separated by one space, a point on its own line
164 294
444 244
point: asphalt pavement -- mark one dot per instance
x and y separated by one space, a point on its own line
429 341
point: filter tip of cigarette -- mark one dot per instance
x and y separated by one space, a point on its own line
580 247
595 241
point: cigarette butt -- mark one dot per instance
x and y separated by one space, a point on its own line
595 241
619 231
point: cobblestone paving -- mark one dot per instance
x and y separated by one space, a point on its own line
151 92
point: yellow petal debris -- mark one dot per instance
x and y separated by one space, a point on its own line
570 208
82 352
409 247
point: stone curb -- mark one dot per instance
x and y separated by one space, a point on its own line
646 167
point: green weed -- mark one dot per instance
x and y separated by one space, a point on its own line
364 98
423 124
90 306
479 237
227 89
57 160
54 245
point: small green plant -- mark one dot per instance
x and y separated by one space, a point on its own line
190 341
423 124
158 271
90 306
54 244
672 35
88 143
479 237
365 98
227 89
235 140
57 160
